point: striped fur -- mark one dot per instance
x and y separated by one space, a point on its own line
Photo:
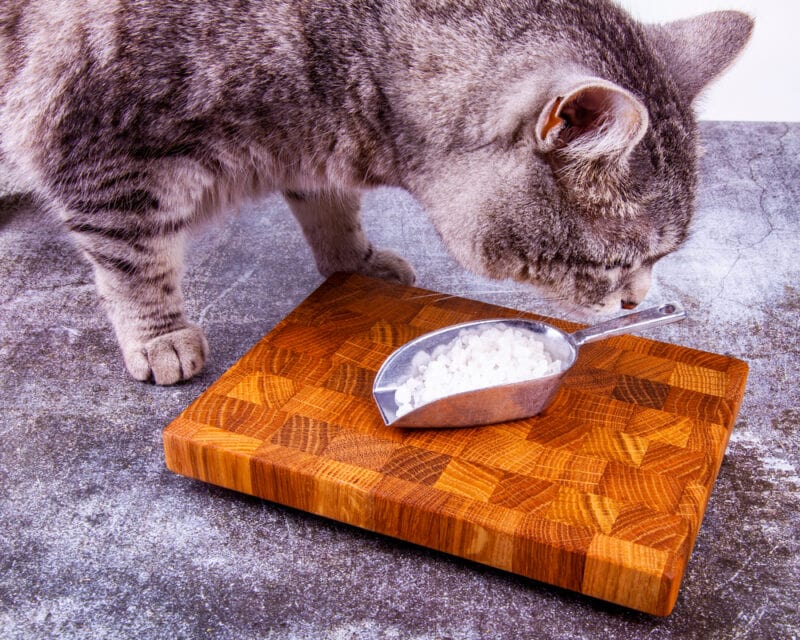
550 141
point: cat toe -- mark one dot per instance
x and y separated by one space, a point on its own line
169 358
388 265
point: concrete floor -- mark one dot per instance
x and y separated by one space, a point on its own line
99 540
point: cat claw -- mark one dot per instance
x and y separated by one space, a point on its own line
169 358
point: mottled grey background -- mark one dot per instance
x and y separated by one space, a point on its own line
99 540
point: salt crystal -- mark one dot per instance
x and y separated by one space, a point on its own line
476 358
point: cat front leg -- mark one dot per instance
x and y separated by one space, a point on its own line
330 220
138 279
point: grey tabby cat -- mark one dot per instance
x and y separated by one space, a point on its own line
550 141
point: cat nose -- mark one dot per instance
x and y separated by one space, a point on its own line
636 289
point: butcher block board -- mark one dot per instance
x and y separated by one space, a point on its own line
603 494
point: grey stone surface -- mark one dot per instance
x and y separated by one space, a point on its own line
100 540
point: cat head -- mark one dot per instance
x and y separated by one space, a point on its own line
583 174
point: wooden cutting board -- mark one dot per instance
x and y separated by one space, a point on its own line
602 494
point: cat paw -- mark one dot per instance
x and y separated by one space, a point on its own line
388 265
169 358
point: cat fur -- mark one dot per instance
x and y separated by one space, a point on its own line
553 142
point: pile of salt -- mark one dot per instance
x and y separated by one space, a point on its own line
477 358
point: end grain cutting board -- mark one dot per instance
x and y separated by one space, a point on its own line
603 493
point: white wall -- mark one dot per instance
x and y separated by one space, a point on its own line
764 83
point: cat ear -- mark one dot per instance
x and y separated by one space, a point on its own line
595 119
697 50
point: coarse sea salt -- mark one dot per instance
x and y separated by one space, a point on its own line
477 358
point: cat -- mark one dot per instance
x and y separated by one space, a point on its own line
552 142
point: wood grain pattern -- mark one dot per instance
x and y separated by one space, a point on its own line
604 493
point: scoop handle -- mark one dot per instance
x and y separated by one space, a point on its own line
664 314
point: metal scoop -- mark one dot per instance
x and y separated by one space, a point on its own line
499 403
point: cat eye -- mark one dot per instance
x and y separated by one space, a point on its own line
617 265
